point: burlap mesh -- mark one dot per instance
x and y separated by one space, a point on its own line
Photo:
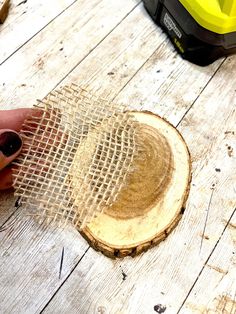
76 156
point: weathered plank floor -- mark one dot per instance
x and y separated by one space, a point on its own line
113 46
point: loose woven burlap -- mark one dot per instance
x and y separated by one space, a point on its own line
78 151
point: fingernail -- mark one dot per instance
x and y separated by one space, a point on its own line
10 143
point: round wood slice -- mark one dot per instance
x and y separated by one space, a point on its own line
152 203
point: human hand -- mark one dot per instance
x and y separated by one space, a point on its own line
10 142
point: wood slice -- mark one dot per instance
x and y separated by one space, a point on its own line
153 201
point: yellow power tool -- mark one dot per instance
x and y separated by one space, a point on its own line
201 30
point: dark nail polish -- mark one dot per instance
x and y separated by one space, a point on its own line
10 143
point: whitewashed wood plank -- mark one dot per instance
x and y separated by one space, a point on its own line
25 20
120 56
7 206
168 85
165 274
57 49
215 290
30 263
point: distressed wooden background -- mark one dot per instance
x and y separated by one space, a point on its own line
114 47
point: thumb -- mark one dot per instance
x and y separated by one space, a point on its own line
10 146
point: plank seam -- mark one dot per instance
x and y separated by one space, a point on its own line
166 39
72 270
203 89
4 60
147 60
207 260
96 45
3 225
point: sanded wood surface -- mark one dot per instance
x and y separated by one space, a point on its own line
26 19
114 47
153 193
